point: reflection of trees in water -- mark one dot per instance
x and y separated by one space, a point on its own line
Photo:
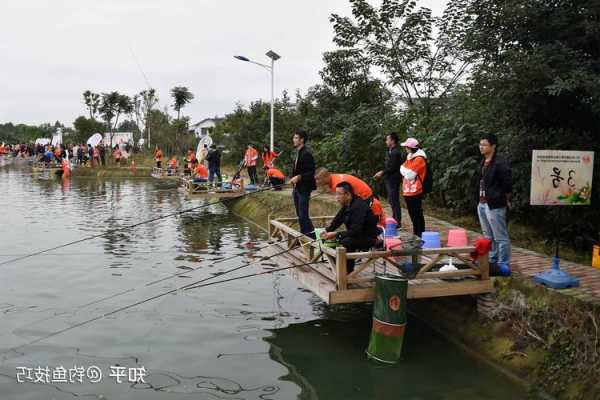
213 227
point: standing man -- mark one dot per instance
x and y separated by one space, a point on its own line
391 175
495 193
303 179
102 150
250 162
214 164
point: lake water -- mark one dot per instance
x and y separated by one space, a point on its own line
259 338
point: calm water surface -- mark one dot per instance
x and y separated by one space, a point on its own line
260 338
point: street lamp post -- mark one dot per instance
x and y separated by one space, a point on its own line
271 68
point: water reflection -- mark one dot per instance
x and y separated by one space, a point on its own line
246 339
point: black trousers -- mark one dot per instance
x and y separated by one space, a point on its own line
276 183
302 204
392 188
414 204
356 244
252 174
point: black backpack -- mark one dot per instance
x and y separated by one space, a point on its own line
428 181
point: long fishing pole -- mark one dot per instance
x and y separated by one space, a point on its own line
125 228
262 259
192 285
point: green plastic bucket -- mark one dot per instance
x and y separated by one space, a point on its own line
389 319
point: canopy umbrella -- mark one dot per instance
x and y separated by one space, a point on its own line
95 139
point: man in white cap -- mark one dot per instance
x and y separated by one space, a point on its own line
413 172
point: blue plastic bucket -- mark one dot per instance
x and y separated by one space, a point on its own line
431 240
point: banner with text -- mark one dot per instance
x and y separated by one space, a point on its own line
561 178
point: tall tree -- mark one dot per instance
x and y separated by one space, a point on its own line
419 54
113 105
181 96
143 104
92 102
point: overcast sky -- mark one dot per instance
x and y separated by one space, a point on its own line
52 51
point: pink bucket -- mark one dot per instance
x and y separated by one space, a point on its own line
457 238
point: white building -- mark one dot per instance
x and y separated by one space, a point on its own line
118 138
205 127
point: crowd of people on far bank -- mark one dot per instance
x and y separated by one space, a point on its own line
407 173
76 154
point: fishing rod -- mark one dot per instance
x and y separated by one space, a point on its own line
192 285
125 228
262 259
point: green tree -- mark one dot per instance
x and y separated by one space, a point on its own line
114 105
92 102
419 54
143 103
84 128
181 96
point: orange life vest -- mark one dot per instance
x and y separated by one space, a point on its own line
201 171
275 173
360 187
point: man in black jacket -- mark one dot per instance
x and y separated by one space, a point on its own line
391 175
361 225
495 191
303 179
214 163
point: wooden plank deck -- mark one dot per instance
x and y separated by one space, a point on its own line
327 278
205 189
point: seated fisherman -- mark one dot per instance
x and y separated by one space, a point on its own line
361 225
201 173
325 178
190 162
276 178
172 166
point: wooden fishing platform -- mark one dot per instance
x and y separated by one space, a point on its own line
327 277
40 167
166 174
207 189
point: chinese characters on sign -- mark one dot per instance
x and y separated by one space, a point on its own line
79 374
561 177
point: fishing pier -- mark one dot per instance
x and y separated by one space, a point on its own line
323 271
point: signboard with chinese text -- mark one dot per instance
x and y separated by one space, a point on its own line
561 178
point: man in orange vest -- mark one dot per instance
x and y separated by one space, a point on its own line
276 178
172 166
359 187
158 154
201 173
250 162
190 162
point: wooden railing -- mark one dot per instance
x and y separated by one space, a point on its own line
337 259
